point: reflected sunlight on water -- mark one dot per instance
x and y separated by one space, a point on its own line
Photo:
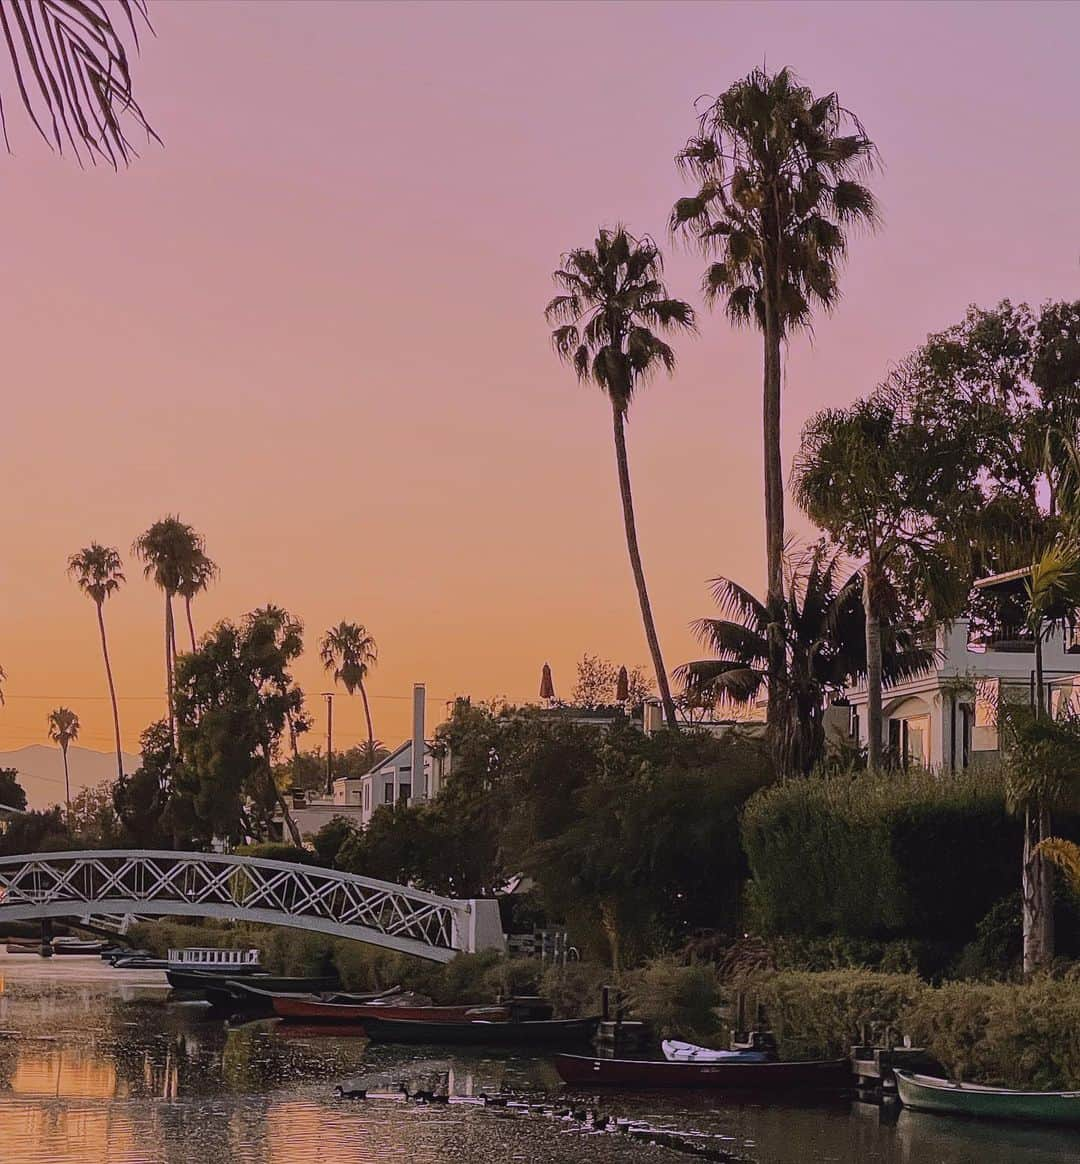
97 1068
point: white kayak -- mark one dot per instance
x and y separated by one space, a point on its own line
679 1052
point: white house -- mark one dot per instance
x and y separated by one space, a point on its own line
947 717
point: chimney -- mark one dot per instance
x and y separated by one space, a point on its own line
419 776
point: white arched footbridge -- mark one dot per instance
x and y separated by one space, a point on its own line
344 905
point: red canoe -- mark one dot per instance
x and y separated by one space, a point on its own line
583 1071
297 1009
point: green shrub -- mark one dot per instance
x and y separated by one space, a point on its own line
676 999
275 851
881 855
513 976
1011 1034
824 1014
574 989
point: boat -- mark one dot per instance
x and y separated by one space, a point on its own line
679 1052
294 1008
481 1032
929 1093
23 947
139 962
252 996
215 960
198 981
77 946
643 1074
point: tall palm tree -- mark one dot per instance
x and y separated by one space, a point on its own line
824 637
779 184
348 651
71 71
64 730
98 573
197 574
612 307
167 550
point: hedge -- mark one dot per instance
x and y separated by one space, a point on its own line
881 855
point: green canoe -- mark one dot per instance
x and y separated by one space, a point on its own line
927 1093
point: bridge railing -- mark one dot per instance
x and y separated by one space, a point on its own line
228 886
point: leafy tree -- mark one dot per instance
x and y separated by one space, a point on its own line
1001 390
779 174
98 572
94 820
71 70
64 730
884 486
349 652
609 317
35 832
823 631
169 550
331 839
12 793
141 799
234 696
595 685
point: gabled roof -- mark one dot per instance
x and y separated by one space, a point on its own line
400 750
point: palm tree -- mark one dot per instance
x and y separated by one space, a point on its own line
71 71
98 572
64 730
778 186
824 638
168 550
197 574
3 680
613 304
1052 588
880 485
348 651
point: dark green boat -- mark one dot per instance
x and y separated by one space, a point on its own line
927 1093
199 981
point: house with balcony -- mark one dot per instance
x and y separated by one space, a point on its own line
948 716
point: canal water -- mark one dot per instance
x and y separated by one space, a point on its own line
98 1067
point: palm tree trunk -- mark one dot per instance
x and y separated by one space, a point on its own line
1037 894
190 624
67 787
112 692
367 716
169 647
639 572
774 510
1037 890
873 666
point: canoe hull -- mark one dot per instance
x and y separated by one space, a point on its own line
309 1010
924 1093
198 981
581 1070
550 1033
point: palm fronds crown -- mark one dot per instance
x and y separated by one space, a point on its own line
97 570
611 313
780 181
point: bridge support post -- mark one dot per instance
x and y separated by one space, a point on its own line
46 937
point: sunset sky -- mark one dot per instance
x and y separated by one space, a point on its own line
311 323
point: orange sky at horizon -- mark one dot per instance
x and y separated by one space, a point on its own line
311 324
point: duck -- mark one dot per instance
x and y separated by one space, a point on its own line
351 1092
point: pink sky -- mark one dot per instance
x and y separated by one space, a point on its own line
312 322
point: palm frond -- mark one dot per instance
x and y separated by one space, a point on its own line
73 75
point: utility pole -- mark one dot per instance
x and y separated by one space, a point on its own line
329 697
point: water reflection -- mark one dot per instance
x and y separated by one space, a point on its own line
100 1068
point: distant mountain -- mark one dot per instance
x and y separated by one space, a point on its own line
41 771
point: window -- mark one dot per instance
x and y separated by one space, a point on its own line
388 792
367 796
404 792
909 740
854 729
967 733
